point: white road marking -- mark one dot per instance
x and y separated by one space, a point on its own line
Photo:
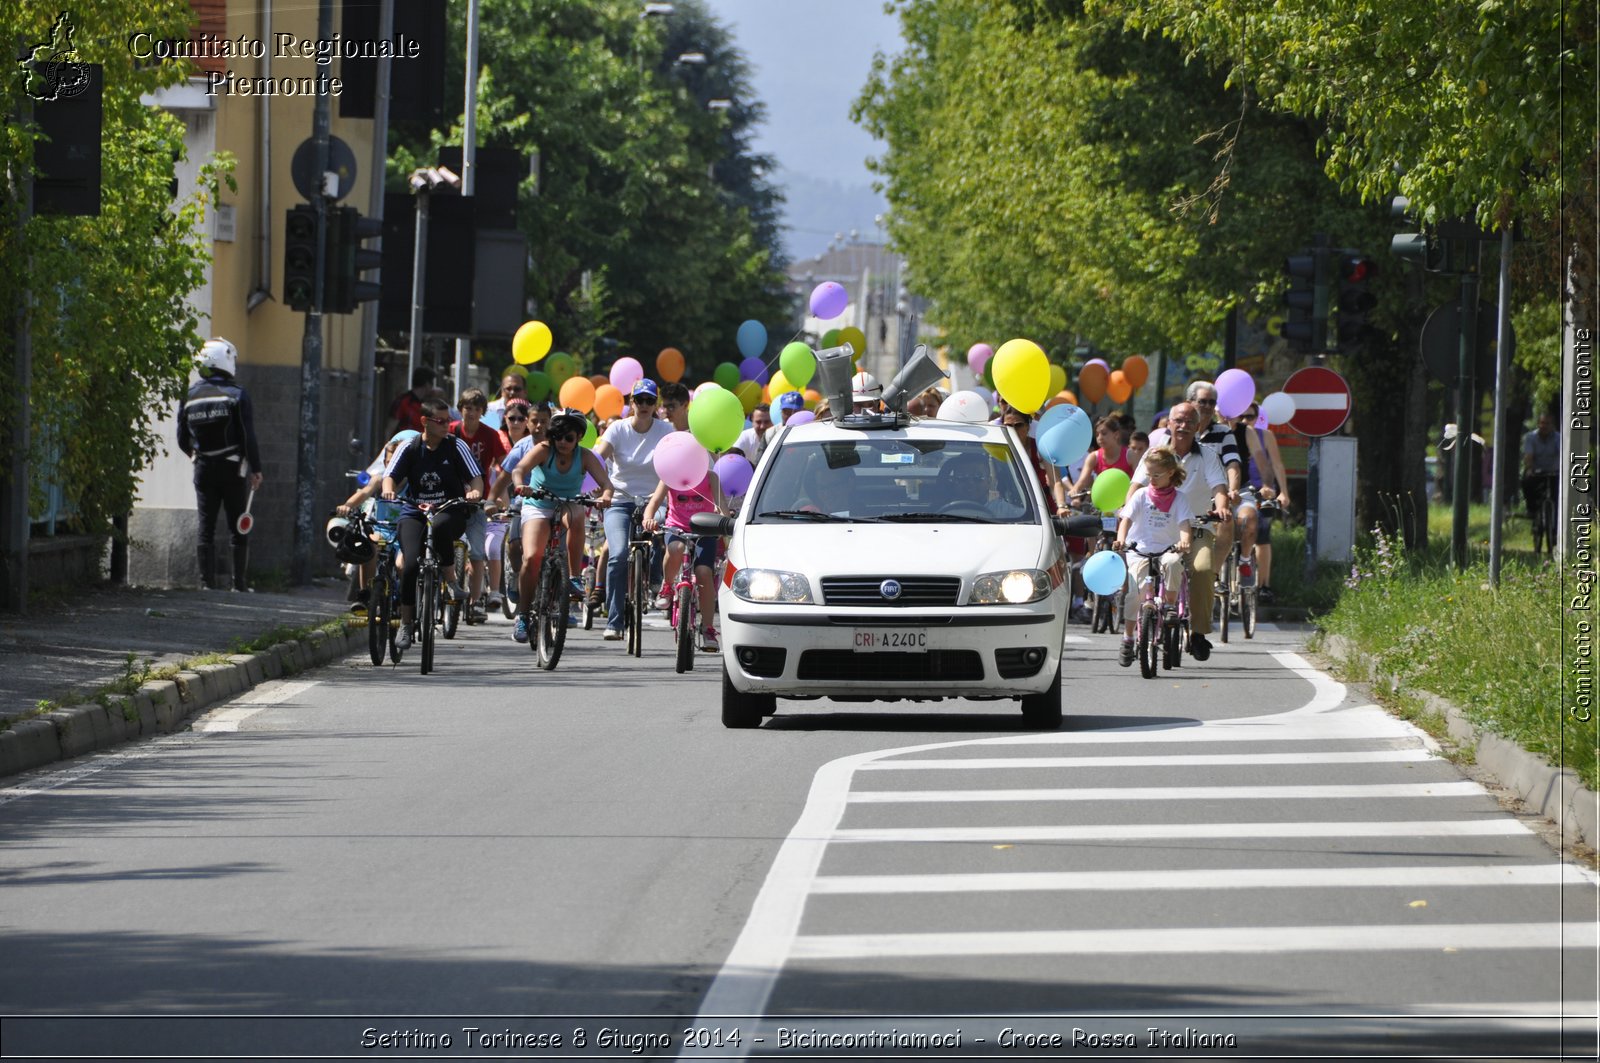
1375 756
1214 879
1428 828
1465 788
1209 940
242 708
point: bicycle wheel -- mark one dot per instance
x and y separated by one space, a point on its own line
1230 594
377 618
1177 634
550 626
1149 627
590 604
684 624
427 615
509 555
391 613
640 585
451 605
1247 611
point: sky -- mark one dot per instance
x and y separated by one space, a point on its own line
809 60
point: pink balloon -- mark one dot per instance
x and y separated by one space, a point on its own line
734 473
626 373
803 417
829 299
1235 390
681 461
978 356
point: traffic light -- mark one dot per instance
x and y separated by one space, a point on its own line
1355 301
300 258
1424 248
1306 327
348 259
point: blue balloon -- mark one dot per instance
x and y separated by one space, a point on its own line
1068 437
1054 416
752 338
1105 572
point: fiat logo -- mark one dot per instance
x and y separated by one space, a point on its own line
890 589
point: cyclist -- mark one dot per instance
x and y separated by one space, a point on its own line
752 442
514 420
1217 436
1155 520
365 499
1206 489
556 465
1110 455
704 497
628 448
1138 444
1541 464
675 406
435 469
488 450
1255 527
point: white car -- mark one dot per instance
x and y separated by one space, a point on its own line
902 560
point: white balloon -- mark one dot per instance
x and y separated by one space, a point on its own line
1278 407
964 406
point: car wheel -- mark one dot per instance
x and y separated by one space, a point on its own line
743 710
1044 710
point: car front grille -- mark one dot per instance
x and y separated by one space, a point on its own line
932 666
914 590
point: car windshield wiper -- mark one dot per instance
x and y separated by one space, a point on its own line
936 518
803 514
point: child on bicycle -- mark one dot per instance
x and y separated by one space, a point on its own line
1154 521
365 499
704 497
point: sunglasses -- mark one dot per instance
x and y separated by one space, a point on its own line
672 406
437 420
516 420
513 390
565 437
1205 402
644 400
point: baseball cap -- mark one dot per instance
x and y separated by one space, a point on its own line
791 400
644 386
865 387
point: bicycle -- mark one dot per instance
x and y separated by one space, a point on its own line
1107 609
1540 492
548 611
1157 626
640 545
1234 592
594 542
433 608
684 609
383 595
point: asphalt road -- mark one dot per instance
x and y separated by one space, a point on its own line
1238 850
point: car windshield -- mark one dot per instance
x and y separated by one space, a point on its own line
897 480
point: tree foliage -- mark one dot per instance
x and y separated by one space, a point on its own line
113 337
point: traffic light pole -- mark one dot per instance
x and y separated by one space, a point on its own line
1504 441
311 342
1466 386
367 415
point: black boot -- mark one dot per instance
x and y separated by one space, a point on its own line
241 557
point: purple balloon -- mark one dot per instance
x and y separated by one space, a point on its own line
1235 390
734 473
978 356
1100 362
828 300
753 369
588 484
803 417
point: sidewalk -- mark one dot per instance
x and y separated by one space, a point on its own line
82 640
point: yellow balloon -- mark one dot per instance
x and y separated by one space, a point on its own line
531 342
1022 374
1058 378
778 384
856 339
749 393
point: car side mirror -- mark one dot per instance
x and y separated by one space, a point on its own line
711 524
1086 526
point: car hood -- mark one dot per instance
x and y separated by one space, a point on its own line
818 550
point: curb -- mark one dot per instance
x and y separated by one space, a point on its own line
161 706
1553 792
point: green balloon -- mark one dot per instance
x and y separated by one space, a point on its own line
1110 489
538 385
716 417
726 374
798 364
829 339
988 374
590 433
561 368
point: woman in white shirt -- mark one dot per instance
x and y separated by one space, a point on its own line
629 448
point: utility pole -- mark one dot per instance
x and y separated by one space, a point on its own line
367 414
1466 393
14 526
469 166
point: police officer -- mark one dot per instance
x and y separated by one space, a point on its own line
217 429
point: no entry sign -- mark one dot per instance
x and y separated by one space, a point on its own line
1321 401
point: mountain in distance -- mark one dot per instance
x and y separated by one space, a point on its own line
816 208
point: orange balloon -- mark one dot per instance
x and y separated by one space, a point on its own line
1092 381
578 393
813 396
1118 387
599 378
1062 396
607 401
1136 369
670 364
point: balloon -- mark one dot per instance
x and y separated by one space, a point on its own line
733 473
709 385
597 379
590 433
1061 397
589 486
978 356
1050 418
726 374
1278 407
753 369
1235 391
1058 379
561 367
531 342
752 338
803 417
812 398
1136 369
1092 381
828 300
780 383
856 339
986 378
578 393
681 461
626 373
1105 572
965 406
830 338
1022 375
1101 362
670 364
607 401
798 363
513 370
716 418
1067 439
749 395
538 385
1118 387
1110 490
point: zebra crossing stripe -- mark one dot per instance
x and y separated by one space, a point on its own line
1500 825
1178 760
1465 788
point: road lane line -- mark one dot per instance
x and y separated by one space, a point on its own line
1209 940
241 709
1375 756
1465 788
1212 879
1441 828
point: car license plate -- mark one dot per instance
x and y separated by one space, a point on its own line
894 640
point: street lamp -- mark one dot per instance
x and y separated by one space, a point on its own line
691 59
424 182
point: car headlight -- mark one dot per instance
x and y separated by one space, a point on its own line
1016 587
771 585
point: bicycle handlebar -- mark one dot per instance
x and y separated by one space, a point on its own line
541 494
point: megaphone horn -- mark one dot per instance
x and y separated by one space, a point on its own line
917 376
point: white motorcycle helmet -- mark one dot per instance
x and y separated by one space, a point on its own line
220 355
